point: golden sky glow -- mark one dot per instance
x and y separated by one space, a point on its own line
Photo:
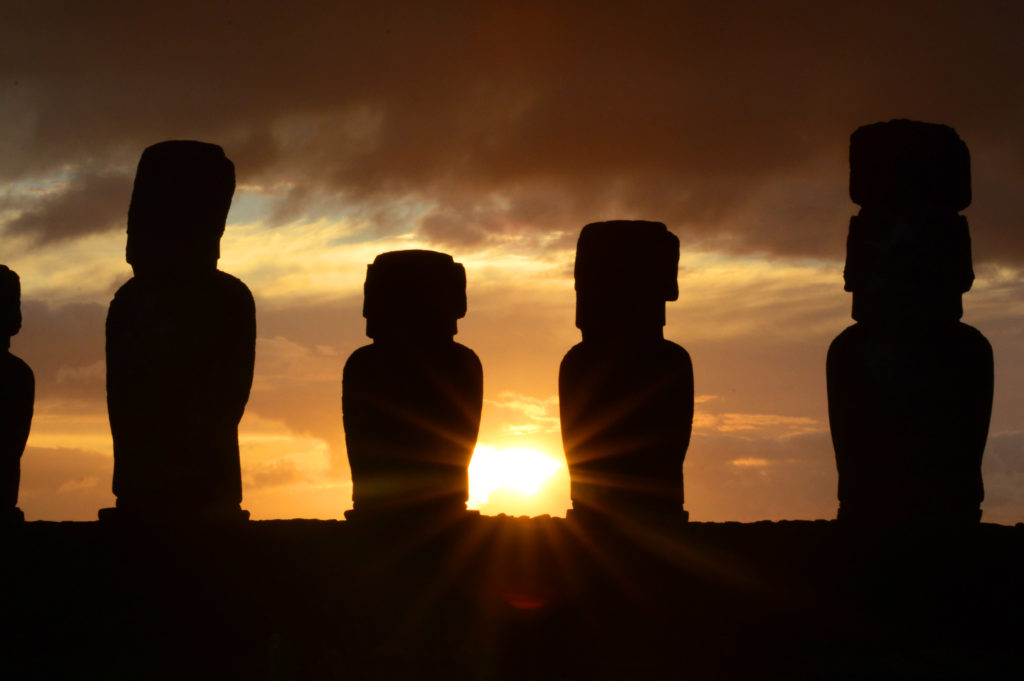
494 137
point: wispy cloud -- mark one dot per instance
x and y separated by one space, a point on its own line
751 462
761 424
535 415
64 483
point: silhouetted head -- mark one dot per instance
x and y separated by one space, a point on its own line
625 272
10 302
414 294
903 165
909 251
179 206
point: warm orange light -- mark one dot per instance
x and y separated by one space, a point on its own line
518 470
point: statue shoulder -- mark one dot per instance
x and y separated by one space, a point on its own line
676 353
573 360
846 342
468 356
971 336
127 291
366 353
18 371
232 287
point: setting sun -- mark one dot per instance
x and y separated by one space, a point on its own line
517 473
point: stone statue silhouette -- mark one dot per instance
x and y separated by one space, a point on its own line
180 344
909 385
626 393
17 396
411 400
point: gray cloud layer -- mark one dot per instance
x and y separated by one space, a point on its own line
61 344
91 202
727 120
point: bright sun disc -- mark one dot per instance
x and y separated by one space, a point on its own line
518 469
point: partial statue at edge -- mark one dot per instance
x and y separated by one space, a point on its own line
181 338
411 400
909 385
625 392
17 397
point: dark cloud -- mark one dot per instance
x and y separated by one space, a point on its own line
729 121
64 345
752 374
301 351
90 203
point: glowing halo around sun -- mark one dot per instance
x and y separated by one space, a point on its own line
519 470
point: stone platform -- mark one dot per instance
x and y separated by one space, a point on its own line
497 597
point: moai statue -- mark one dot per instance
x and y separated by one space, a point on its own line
626 393
909 386
411 400
17 396
181 339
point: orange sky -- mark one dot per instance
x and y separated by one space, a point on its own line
494 131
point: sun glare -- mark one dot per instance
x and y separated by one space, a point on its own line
517 470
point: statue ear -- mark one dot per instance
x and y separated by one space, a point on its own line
11 323
671 265
459 290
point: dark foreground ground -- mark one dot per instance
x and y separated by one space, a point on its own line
511 599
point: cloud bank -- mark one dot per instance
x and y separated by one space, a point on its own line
728 121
